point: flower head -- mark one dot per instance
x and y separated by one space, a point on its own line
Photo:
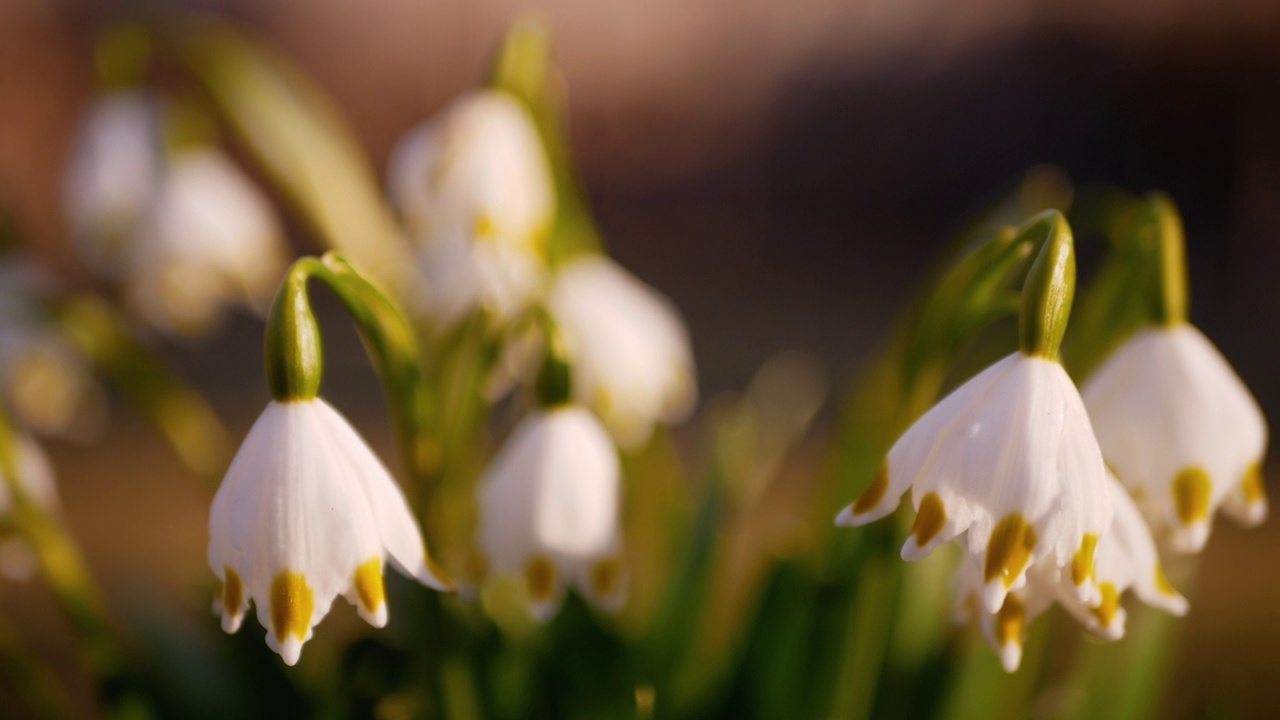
1181 430
549 509
632 358
209 239
306 513
474 190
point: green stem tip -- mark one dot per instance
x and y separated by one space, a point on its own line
1050 285
292 350
1171 296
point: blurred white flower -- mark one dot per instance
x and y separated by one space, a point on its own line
1126 559
35 473
632 359
475 192
1181 431
114 171
1010 459
210 238
549 505
306 513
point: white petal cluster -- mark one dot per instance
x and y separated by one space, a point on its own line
1008 459
114 172
210 238
1126 560
549 506
474 190
1181 431
306 513
632 359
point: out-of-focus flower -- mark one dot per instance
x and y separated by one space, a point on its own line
306 513
1010 459
1126 559
1181 430
549 509
114 171
632 359
475 192
35 474
209 239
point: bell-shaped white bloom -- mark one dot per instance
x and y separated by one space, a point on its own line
210 239
114 171
35 475
1008 458
549 509
1181 431
631 353
475 192
1126 560
306 513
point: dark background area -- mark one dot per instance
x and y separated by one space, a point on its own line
786 171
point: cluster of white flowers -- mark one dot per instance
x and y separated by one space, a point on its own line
184 230
1063 498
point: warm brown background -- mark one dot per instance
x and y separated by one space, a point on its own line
782 169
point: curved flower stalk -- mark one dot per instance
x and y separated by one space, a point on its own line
474 191
35 473
306 511
209 239
1174 421
550 500
632 359
114 172
1009 459
1126 560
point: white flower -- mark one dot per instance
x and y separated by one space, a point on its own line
549 509
306 513
631 354
114 171
35 474
474 190
1181 430
211 238
1010 459
1126 559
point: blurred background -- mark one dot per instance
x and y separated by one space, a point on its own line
784 171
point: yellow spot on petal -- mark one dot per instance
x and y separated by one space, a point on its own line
604 577
485 227
232 591
1110 605
1011 621
368 582
1082 565
874 492
1191 489
292 605
1162 582
1253 487
540 578
1009 549
929 519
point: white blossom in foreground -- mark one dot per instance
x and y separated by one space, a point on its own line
35 474
1181 430
306 513
632 359
474 190
549 506
1126 560
1010 460
210 239
114 171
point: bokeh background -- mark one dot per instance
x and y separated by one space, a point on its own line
785 171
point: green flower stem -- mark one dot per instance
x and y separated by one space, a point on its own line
1170 247
554 386
181 414
294 356
32 681
1050 286
68 578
